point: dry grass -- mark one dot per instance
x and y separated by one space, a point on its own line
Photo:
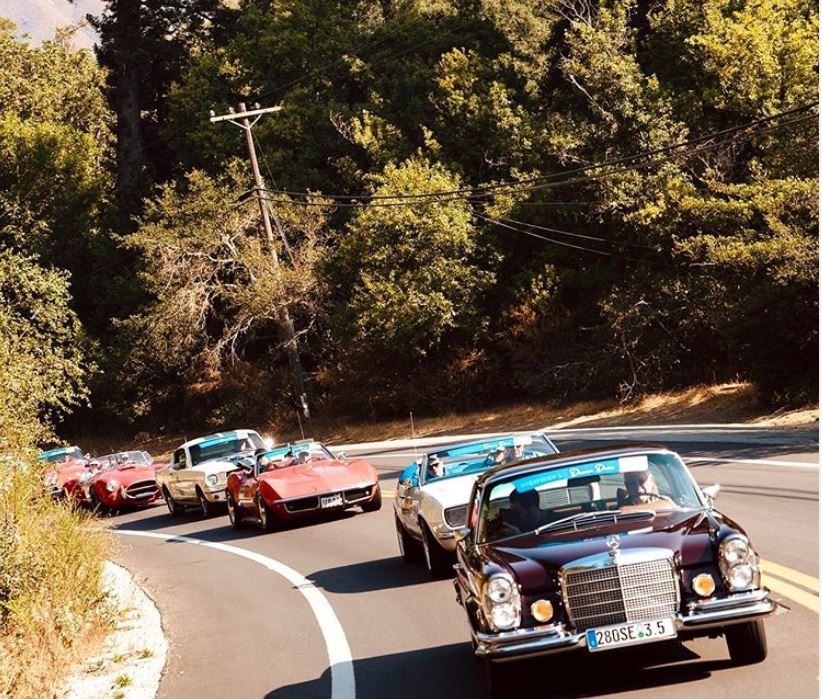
52 607
724 403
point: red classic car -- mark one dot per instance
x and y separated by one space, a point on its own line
299 479
122 480
65 464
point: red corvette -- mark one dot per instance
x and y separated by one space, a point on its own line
299 479
124 480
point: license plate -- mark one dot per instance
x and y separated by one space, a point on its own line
630 634
331 501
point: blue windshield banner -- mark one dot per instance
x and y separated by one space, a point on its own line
219 440
54 452
598 468
477 447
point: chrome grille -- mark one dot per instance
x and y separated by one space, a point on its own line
141 489
611 591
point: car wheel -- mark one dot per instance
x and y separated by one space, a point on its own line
747 643
206 508
234 515
174 508
409 547
96 504
438 561
375 503
495 679
268 520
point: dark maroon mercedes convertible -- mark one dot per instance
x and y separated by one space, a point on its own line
601 549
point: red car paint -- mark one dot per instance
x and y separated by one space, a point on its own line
135 486
290 490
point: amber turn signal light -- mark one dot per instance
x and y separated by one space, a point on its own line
703 584
542 610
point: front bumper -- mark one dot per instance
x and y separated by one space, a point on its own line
215 495
555 638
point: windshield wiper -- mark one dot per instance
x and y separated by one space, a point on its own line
592 517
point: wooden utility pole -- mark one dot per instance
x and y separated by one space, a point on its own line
241 118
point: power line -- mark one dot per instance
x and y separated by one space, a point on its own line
559 231
552 240
517 186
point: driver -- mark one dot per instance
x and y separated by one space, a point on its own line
436 468
640 488
302 458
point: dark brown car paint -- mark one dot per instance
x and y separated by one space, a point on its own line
534 560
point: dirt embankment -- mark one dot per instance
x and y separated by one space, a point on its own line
725 403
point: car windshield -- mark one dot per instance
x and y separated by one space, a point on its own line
123 459
301 452
223 447
464 459
585 494
61 456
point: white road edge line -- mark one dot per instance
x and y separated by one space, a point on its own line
764 462
343 685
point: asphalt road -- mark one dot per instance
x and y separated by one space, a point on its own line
243 623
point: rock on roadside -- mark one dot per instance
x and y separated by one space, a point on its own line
133 656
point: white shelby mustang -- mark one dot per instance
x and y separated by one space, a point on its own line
433 492
200 467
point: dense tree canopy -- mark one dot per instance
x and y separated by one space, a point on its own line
602 272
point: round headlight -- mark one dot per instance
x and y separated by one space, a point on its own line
504 616
500 590
212 480
740 576
704 584
542 610
735 550
112 485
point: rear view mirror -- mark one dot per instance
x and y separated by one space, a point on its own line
710 492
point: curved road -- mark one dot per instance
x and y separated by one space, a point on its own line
242 622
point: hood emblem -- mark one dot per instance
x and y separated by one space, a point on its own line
612 542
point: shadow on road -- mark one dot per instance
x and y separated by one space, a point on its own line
451 671
369 576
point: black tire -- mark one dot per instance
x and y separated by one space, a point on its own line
375 503
410 549
95 503
268 520
206 508
747 642
234 515
495 679
440 563
174 507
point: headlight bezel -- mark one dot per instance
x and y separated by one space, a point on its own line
212 480
461 512
112 485
735 556
503 610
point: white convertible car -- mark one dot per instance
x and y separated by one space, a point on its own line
200 467
432 494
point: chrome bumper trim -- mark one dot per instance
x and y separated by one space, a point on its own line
521 643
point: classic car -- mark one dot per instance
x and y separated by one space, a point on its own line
199 469
125 479
64 467
600 549
434 491
298 479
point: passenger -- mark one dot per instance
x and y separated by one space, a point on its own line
262 461
640 488
436 469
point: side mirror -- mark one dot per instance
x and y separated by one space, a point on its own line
341 456
402 489
87 455
462 533
711 492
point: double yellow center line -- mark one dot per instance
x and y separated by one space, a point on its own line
799 587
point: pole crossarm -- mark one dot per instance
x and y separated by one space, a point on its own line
245 114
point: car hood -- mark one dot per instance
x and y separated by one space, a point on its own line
317 477
451 491
128 475
536 559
